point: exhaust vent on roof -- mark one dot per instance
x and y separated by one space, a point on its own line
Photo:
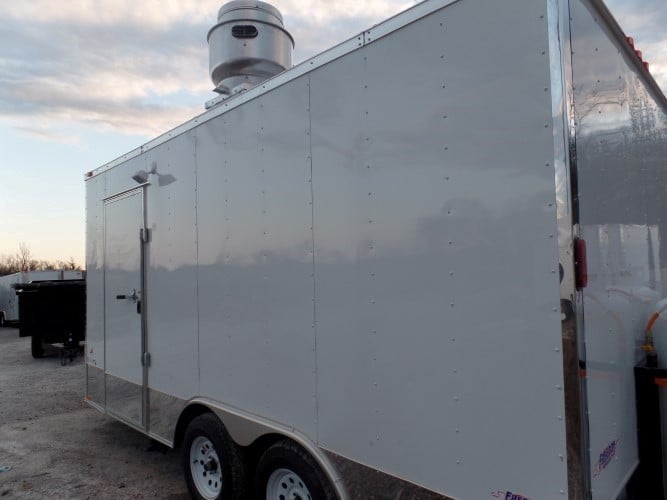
247 46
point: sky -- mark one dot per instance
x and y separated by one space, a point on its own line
85 81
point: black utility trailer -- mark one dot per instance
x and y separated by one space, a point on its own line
53 312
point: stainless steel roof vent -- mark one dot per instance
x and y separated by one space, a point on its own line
248 45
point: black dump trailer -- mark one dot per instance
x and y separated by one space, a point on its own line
52 312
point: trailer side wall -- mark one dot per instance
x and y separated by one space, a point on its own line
367 255
621 146
438 324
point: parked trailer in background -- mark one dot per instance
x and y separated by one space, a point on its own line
9 304
367 276
53 312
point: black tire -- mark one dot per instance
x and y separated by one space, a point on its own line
2 319
37 346
231 463
287 455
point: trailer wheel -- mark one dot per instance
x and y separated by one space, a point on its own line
214 466
286 471
37 346
2 319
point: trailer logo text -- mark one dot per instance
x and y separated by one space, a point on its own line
605 457
508 495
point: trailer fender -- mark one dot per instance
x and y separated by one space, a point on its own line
249 430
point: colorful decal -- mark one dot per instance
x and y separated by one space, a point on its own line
508 495
605 457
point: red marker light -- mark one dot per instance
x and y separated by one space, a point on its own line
646 65
631 41
639 54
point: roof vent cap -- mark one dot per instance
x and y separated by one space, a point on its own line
247 46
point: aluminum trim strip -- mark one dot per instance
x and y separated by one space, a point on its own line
402 19
160 439
363 481
93 404
124 396
564 145
164 412
126 192
95 386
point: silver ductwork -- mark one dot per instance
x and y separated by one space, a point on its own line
247 46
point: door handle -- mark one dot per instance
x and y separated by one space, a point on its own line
133 296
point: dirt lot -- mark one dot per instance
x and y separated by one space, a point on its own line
60 448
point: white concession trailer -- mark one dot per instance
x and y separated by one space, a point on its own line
419 264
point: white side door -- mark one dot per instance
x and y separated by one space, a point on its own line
123 332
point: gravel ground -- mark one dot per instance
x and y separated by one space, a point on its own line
60 448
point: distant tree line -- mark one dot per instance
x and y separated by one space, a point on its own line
22 261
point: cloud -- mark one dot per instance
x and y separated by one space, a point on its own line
135 67
49 135
142 67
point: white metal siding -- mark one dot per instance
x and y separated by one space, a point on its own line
438 323
621 139
257 341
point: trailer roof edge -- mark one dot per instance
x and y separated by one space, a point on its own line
622 39
370 35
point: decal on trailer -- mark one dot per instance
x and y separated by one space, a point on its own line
508 495
605 457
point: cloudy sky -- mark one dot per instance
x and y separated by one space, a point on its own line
84 81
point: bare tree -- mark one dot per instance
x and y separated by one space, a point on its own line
24 258
23 261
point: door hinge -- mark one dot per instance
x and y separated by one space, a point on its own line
145 234
146 359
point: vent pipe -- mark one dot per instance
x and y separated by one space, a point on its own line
247 46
